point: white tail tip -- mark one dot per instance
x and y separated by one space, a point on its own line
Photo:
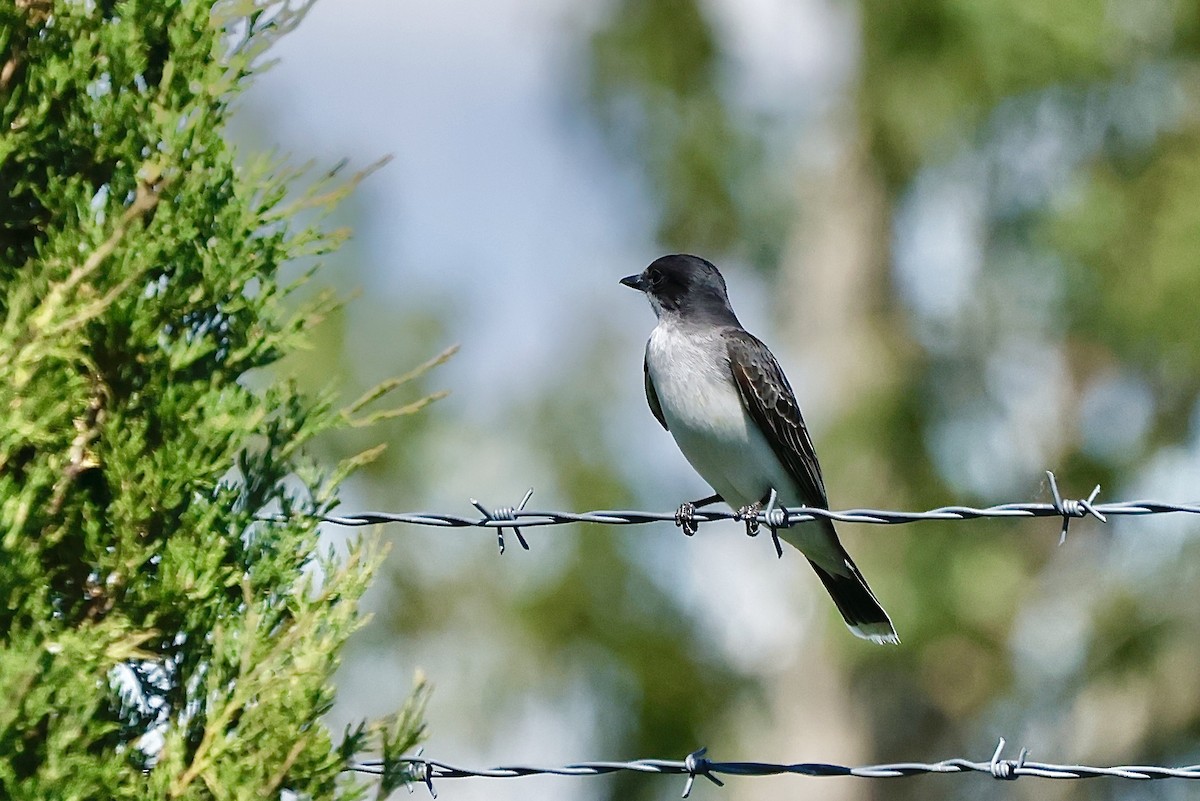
878 633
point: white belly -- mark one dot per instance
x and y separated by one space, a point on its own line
704 413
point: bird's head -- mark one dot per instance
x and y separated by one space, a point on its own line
685 286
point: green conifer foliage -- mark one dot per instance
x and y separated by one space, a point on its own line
158 639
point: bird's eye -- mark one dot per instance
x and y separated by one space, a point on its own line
655 277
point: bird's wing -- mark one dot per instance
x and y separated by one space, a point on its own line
772 405
652 396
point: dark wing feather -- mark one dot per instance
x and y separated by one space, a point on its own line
771 403
652 397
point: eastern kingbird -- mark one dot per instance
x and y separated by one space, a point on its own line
724 398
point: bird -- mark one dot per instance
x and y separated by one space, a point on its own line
720 392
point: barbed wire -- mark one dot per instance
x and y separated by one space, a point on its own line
417 769
689 517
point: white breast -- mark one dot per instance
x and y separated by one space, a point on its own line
704 412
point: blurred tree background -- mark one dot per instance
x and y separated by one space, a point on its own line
971 244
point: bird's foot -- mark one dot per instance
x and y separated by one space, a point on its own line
685 518
749 516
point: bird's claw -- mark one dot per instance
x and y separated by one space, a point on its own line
749 516
685 518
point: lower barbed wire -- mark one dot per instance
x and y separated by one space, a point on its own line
698 765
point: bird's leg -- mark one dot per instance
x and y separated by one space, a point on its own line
685 518
685 515
749 516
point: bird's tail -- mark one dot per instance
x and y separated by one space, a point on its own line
858 605
860 609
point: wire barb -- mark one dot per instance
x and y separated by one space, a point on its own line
507 514
774 518
1007 769
420 771
1072 508
697 765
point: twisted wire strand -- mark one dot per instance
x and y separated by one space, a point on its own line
799 514
425 771
689 517
774 517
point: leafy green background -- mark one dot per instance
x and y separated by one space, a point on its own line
974 254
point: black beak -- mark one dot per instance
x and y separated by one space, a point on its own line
634 282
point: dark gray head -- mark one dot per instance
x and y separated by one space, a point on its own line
687 287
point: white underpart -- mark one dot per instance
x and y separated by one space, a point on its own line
702 405
704 412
